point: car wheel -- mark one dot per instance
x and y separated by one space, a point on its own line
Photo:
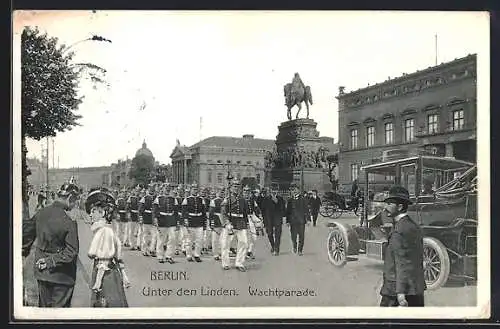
436 263
337 247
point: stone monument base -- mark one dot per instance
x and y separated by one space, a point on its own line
307 179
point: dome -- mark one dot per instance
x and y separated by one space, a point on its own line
144 151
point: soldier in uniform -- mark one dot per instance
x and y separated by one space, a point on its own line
216 223
123 220
181 227
205 194
166 208
148 242
56 249
253 211
194 211
234 211
136 228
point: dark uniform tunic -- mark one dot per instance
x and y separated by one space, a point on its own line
215 213
133 207
122 209
166 211
146 209
194 209
236 210
180 217
57 241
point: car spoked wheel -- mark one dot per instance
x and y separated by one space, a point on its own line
336 211
337 248
436 263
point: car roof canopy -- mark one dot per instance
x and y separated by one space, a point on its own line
429 162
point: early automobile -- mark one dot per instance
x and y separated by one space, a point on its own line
444 196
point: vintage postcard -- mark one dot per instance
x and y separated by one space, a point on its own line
260 165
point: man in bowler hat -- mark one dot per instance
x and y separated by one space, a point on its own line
297 215
404 282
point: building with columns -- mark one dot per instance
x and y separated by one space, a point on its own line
208 161
432 110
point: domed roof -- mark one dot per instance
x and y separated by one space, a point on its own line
144 151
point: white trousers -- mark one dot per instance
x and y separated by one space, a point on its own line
194 234
226 239
252 234
137 232
125 234
149 237
216 241
166 237
181 238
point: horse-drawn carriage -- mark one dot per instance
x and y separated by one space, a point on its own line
333 204
444 196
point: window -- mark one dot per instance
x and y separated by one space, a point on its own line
354 171
389 178
370 136
257 177
389 133
209 175
238 176
371 177
354 138
432 123
458 119
409 130
220 178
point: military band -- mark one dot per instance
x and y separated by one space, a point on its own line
149 231
194 214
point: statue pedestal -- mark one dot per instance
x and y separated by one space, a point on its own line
297 156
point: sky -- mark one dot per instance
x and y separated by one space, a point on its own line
168 71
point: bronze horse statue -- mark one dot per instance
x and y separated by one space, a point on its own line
296 93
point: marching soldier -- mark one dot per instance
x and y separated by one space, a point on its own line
135 228
234 211
206 229
123 226
194 211
216 223
166 208
181 228
148 243
253 211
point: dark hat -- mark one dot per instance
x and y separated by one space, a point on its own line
275 186
101 198
294 185
68 189
398 194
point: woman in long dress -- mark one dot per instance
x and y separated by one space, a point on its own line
108 272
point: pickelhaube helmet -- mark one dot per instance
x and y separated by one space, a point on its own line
246 188
68 189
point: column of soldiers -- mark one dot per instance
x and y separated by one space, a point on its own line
166 222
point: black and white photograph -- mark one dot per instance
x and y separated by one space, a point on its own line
251 165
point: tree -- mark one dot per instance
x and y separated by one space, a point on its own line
50 97
142 169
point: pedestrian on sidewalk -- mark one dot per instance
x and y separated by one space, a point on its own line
297 215
273 212
404 282
56 248
109 277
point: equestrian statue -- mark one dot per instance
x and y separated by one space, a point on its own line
296 93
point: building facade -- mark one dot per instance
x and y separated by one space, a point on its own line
208 161
432 110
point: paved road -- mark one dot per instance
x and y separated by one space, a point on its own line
312 276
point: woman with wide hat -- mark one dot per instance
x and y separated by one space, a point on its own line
108 272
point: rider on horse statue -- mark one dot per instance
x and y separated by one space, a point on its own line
296 93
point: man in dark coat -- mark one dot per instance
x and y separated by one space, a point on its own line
273 212
314 205
297 215
56 248
404 282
